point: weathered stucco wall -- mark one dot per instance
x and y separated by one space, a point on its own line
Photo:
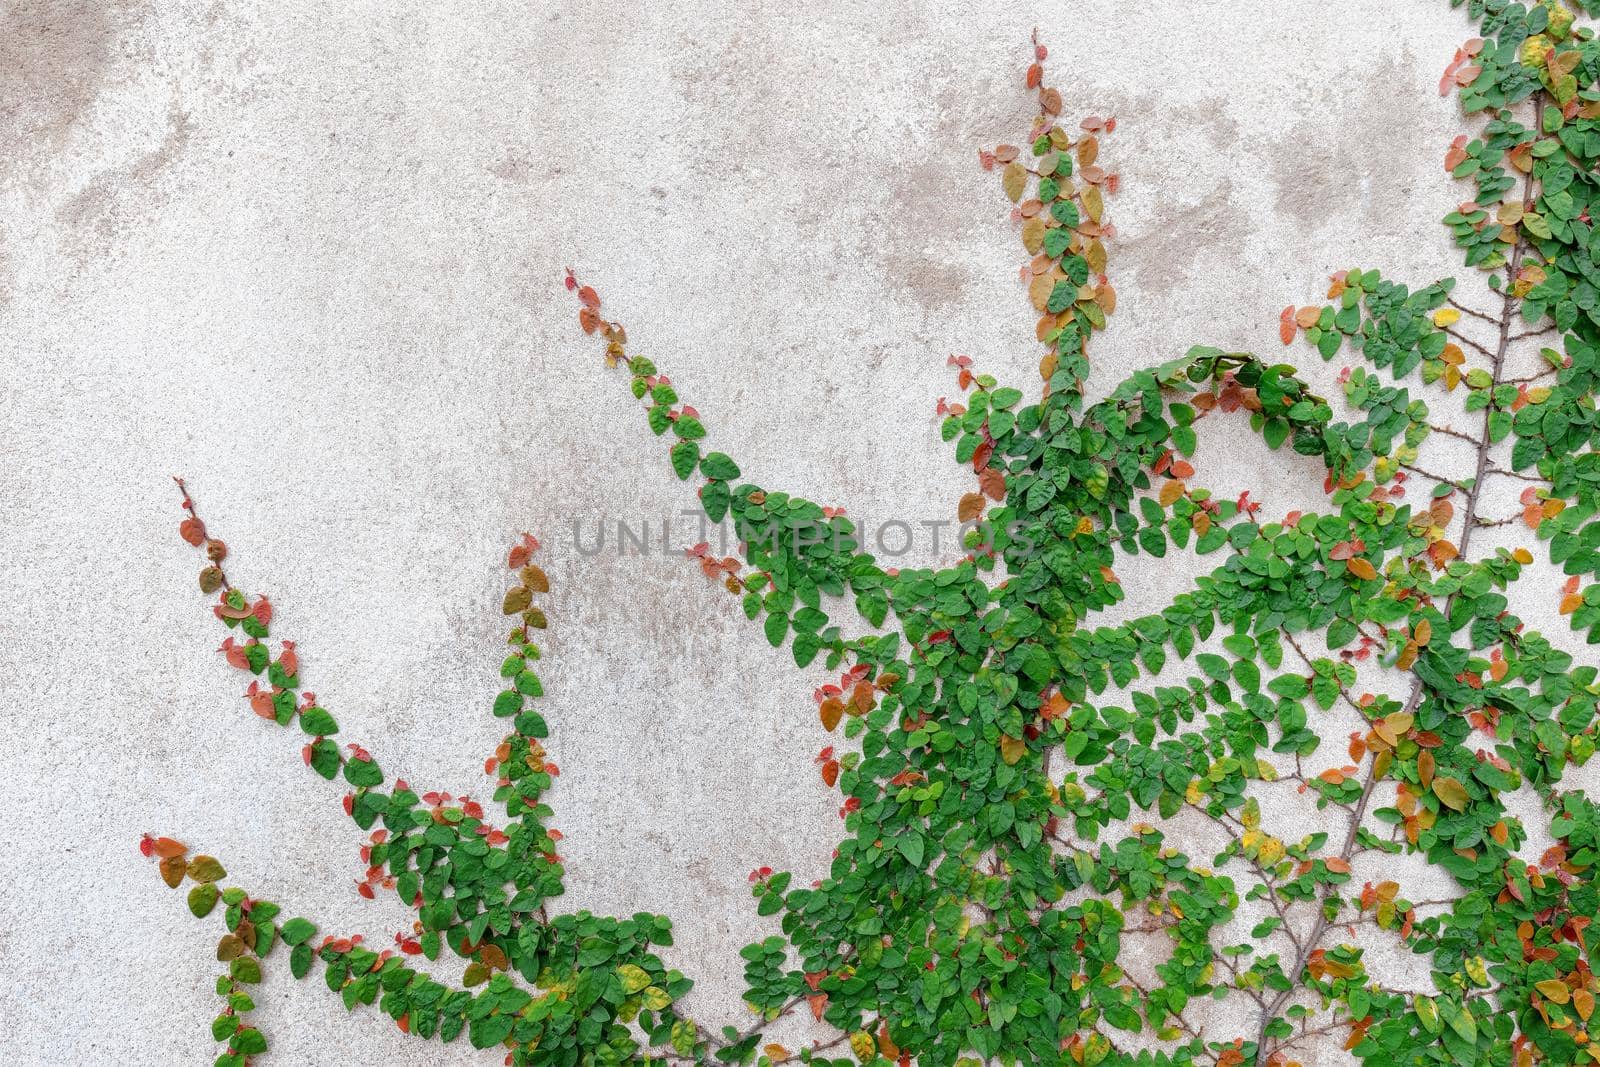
308 254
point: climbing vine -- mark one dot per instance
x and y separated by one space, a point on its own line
1023 790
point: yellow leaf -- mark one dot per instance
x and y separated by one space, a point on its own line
1093 206
1398 722
1033 235
1554 990
1095 256
1011 748
1451 793
1014 179
1039 290
634 977
776 1053
1478 970
1446 317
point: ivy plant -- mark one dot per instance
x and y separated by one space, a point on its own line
1014 776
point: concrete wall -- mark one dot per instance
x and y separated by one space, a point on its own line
308 255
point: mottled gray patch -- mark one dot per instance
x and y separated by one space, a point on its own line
115 201
53 59
1158 247
1333 165
513 166
924 202
1161 254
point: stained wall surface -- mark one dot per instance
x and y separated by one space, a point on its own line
308 255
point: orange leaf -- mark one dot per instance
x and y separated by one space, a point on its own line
167 848
831 712
173 868
1362 569
1055 707
992 483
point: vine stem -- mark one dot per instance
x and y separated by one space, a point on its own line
1313 940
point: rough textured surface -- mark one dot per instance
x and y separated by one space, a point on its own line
308 255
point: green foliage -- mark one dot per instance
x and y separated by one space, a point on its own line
1005 763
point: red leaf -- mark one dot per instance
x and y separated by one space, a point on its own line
261 702
192 530
518 557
